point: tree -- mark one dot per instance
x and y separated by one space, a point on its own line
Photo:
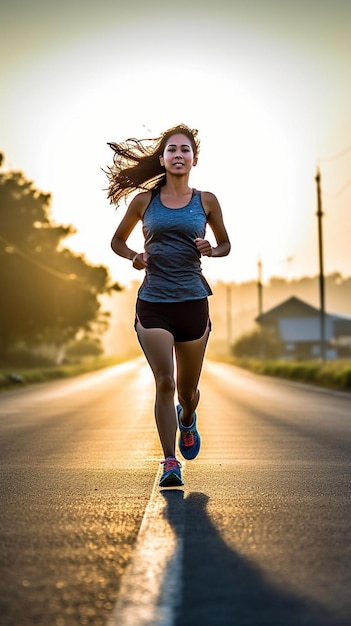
84 348
48 293
257 344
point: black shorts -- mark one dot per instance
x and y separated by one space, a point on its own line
186 321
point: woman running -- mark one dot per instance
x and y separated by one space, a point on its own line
172 313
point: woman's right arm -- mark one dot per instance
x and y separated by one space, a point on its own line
132 216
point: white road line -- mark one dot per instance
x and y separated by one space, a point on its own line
151 586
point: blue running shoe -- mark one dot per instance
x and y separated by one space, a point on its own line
171 476
189 438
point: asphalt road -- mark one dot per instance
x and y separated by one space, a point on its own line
264 515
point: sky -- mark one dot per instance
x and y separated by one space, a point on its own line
265 82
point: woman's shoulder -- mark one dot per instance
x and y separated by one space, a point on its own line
209 201
142 197
140 202
208 195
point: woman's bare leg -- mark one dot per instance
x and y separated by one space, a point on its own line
158 345
189 357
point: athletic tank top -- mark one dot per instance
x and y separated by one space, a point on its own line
174 270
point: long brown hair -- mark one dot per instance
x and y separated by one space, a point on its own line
136 163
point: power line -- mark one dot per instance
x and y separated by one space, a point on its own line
338 155
45 268
334 158
340 191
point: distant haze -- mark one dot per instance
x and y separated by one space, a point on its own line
243 306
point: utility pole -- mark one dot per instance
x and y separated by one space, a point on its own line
321 269
260 305
229 315
259 286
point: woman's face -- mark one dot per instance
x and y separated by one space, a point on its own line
178 156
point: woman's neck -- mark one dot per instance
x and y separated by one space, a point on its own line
176 186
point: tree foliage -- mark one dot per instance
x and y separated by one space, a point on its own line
48 293
85 348
257 344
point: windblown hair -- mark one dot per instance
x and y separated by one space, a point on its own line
136 163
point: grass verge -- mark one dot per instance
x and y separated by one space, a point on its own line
15 377
331 374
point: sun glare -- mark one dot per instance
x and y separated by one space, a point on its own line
252 98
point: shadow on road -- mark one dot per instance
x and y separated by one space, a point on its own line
220 587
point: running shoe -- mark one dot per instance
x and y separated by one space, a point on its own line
189 438
171 476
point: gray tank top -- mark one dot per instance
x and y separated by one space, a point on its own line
174 270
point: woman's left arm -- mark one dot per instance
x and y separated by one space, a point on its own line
215 220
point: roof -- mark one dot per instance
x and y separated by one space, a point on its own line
342 325
293 307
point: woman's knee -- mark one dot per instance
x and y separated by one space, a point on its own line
186 395
165 384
